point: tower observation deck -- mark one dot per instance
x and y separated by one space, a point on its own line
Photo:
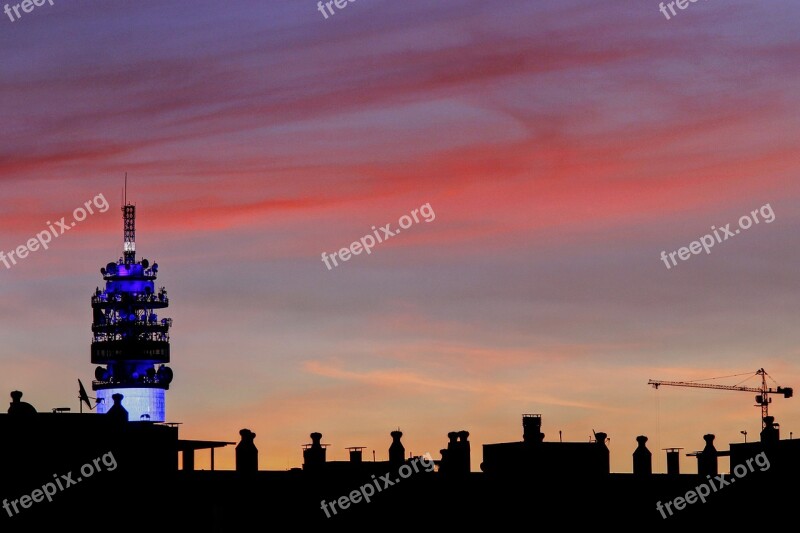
129 339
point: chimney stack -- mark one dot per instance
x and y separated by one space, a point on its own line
397 452
246 452
356 455
707 459
314 453
673 461
642 458
532 429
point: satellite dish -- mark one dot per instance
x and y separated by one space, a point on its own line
111 268
145 263
103 271
84 398
100 373
165 374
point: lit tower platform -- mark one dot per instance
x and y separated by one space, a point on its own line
129 338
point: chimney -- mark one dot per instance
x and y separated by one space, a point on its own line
450 454
603 455
117 411
642 458
673 461
356 455
770 434
459 454
18 407
532 429
314 453
707 459
246 452
397 452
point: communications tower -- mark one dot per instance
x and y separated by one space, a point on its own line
130 341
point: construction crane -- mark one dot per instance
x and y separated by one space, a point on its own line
762 399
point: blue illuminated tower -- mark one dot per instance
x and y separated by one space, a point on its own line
129 339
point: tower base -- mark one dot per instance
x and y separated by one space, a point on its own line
143 405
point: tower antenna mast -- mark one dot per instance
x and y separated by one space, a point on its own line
129 227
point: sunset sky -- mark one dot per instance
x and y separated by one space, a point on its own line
562 146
